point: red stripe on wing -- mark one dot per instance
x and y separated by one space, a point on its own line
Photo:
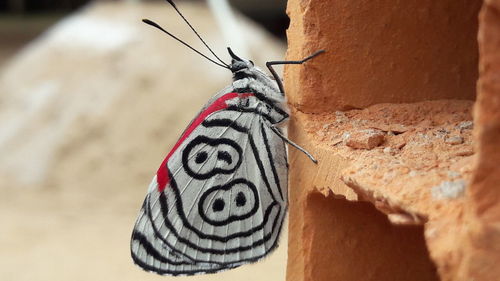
162 177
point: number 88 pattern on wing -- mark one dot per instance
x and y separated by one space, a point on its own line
223 205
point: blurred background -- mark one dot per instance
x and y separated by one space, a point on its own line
91 101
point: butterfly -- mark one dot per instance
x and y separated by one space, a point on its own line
219 198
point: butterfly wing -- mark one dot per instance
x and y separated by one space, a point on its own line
218 200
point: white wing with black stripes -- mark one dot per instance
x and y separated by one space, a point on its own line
220 197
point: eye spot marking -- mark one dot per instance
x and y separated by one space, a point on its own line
205 157
218 205
238 200
201 157
241 200
225 156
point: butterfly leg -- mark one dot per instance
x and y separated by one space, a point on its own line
285 139
270 64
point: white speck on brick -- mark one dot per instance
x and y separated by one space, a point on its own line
340 117
346 136
466 125
454 140
389 150
453 174
449 190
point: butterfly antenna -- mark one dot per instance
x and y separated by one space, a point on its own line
194 30
154 24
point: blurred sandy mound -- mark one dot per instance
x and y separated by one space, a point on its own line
88 111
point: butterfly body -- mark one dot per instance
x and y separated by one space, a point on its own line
219 198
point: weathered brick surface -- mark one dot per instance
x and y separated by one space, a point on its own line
381 51
395 52
481 254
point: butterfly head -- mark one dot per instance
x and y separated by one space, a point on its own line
239 65
249 78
